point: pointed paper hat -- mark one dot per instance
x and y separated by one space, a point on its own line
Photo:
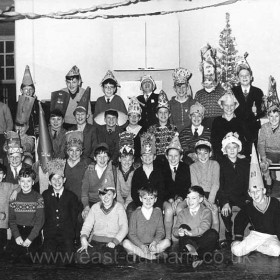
134 106
148 78
271 100
27 78
255 179
148 143
74 138
24 108
126 143
45 149
56 166
181 76
12 143
74 71
59 101
83 103
231 138
109 76
242 63
175 144
163 101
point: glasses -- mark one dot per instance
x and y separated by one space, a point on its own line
28 90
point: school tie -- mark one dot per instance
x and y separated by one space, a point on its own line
108 100
16 173
195 133
55 134
245 93
174 173
110 131
146 98
57 197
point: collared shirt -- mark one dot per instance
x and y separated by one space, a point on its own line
60 192
147 96
99 170
195 210
245 88
81 127
134 130
110 98
148 170
199 129
174 166
17 168
147 213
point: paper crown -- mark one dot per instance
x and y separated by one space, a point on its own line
181 76
203 142
84 101
175 144
74 138
231 138
271 101
74 71
59 101
56 166
255 179
228 97
126 143
163 101
100 118
110 76
24 108
148 143
242 63
134 106
27 78
147 78
12 143
45 149
197 108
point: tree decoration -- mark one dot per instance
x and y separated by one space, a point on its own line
227 58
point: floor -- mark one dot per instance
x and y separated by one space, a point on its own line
222 266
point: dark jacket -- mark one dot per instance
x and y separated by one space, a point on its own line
60 216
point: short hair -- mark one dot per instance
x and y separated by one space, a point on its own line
70 78
168 149
244 68
56 113
111 112
26 172
101 150
202 147
3 168
197 189
147 190
50 176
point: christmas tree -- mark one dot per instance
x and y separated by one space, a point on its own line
227 59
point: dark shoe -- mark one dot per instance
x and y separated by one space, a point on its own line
238 238
225 244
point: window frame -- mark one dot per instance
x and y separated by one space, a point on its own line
5 67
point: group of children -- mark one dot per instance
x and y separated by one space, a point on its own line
136 177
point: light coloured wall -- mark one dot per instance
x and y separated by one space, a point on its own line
50 47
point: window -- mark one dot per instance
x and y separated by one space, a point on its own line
7 60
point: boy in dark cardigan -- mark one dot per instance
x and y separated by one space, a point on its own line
177 180
61 212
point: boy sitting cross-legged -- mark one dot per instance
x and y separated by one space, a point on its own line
193 227
263 214
146 230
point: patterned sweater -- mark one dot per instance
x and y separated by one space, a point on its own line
143 231
105 226
163 136
210 101
6 190
27 210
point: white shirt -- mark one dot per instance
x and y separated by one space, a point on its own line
194 211
17 168
81 127
148 170
172 167
134 130
147 213
110 98
246 88
60 192
147 96
199 129
99 170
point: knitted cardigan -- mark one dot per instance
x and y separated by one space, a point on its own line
124 187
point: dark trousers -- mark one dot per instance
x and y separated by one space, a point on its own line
60 249
3 238
240 222
206 243
2 153
18 250
98 253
